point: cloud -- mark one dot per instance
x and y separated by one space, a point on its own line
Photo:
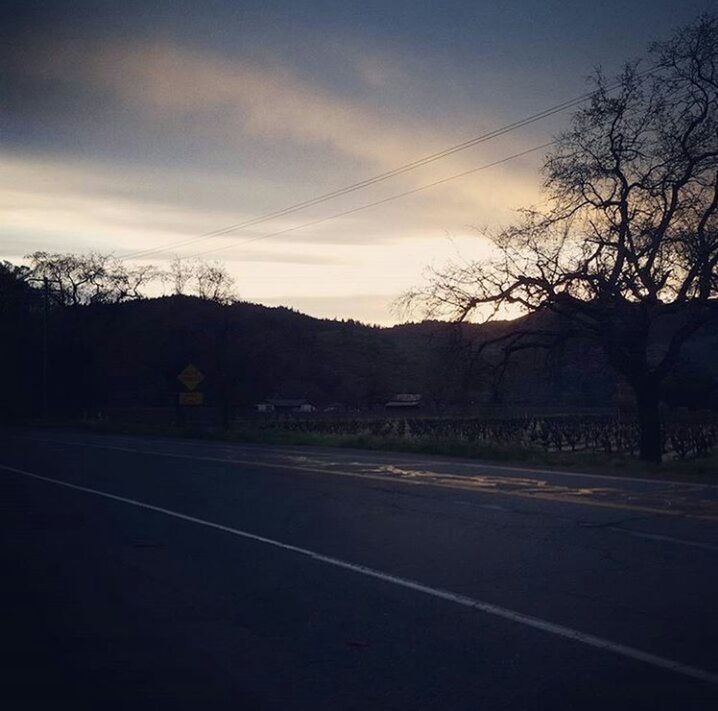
243 105
70 206
59 201
241 98
244 99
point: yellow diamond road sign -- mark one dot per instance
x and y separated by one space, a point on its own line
190 377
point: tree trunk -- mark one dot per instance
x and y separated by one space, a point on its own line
649 423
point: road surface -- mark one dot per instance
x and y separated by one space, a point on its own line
168 574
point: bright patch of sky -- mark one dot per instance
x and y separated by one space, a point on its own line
137 125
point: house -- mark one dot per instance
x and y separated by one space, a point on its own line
285 405
404 401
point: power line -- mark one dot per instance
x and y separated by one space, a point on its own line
496 133
379 202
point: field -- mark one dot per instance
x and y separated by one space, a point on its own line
596 443
682 439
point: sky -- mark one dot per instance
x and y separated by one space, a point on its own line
137 125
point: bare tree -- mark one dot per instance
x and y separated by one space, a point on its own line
207 280
214 283
180 273
625 253
128 282
75 279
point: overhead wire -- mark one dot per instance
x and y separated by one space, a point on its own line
451 150
375 203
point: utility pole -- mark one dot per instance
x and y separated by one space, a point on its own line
45 315
223 361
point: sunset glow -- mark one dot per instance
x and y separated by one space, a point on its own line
156 130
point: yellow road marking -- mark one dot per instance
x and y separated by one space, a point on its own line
447 481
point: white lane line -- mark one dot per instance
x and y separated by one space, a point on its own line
487 607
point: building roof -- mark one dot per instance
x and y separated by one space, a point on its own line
405 400
287 402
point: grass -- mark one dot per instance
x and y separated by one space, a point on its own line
703 470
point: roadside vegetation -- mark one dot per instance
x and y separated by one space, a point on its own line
701 467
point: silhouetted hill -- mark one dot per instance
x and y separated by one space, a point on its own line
129 354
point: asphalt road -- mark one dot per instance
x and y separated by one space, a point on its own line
154 573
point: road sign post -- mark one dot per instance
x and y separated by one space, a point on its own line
191 398
190 377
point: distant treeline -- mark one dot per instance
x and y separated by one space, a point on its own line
87 345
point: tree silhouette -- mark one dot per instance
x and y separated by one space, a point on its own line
209 280
180 273
75 279
624 255
214 283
